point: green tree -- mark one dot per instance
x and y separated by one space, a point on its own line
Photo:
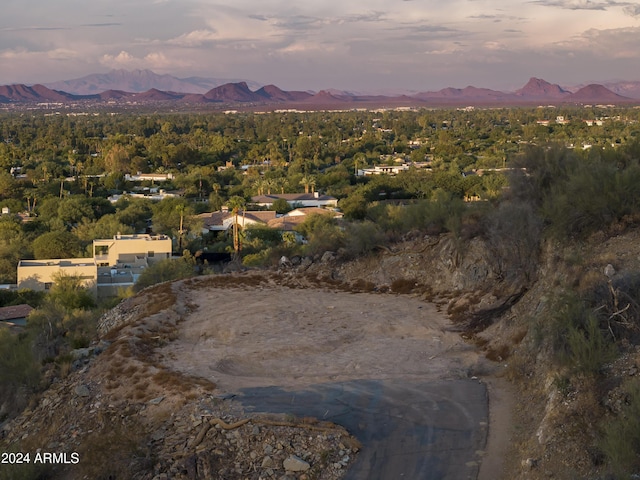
57 244
281 206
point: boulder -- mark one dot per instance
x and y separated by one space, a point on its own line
295 464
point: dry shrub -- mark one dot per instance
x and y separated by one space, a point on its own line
117 451
590 281
498 354
519 336
159 298
228 281
361 285
170 378
404 285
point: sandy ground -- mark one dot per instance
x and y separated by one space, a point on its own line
292 338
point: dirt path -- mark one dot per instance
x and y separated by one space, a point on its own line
296 339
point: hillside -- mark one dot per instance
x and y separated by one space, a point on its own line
179 393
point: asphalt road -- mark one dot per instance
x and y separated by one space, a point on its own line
415 430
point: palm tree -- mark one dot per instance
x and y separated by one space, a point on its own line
235 203
308 182
259 185
269 184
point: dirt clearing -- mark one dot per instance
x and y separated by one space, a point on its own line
241 338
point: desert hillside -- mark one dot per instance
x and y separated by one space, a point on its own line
161 394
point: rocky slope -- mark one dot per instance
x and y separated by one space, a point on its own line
121 414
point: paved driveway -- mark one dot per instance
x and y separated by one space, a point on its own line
408 429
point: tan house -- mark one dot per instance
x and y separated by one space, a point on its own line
125 248
40 275
116 263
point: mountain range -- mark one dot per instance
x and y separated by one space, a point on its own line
181 91
138 81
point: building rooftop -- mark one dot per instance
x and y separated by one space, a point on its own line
14 312
59 262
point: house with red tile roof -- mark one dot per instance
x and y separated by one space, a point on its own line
223 221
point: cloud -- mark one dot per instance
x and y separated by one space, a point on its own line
580 4
299 22
633 10
92 25
197 38
157 60
363 17
600 45
32 28
24 54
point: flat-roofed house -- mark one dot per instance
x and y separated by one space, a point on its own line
314 199
128 248
40 275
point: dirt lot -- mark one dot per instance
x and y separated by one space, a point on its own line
271 335
242 338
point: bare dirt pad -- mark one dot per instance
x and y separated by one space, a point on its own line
307 340
240 338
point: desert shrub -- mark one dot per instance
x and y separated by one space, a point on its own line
13 297
26 471
589 348
514 230
404 285
116 451
322 233
259 259
68 292
18 367
362 237
19 372
258 238
163 271
620 439
444 212
578 340
577 196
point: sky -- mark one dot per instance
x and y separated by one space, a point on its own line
357 45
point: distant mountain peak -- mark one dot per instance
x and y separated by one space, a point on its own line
537 88
596 93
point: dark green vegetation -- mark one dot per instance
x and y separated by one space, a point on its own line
539 186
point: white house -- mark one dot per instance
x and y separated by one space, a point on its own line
314 199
